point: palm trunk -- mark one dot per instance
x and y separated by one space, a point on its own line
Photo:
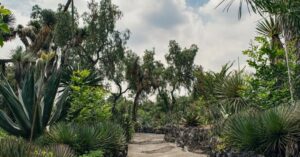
288 38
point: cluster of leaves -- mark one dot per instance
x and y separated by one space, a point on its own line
4 28
20 148
274 132
268 87
85 138
88 103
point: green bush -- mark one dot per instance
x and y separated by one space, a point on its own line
2 134
122 116
85 138
88 103
97 153
13 147
191 119
275 132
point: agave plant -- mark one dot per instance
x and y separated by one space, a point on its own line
275 132
34 106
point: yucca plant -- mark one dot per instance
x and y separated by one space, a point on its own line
34 106
228 93
275 132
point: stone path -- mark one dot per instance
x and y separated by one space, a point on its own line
153 145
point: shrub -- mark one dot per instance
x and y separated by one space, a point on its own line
85 138
97 153
122 116
61 151
2 134
88 103
191 119
12 147
275 132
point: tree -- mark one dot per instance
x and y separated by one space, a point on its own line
38 34
143 77
285 11
101 40
179 73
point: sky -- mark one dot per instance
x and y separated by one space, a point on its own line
220 36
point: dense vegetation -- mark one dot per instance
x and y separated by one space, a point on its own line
77 90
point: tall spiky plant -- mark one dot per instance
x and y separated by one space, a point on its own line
36 104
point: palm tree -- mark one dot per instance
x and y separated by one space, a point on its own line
284 20
285 11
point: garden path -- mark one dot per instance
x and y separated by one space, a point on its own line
153 145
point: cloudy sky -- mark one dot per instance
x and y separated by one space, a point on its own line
220 36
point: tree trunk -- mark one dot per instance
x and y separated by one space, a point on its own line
288 38
173 102
135 105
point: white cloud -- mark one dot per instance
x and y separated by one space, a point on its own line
220 36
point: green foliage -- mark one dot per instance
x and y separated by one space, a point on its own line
274 132
229 93
10 147
13 147
2 134
97 153
88 103
4 28
63 28
122 117
84 138
60 151
268 87
191 119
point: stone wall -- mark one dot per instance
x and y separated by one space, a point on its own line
199 140
194 139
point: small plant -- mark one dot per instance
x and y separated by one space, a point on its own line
192 119
97 153
13 147
60 151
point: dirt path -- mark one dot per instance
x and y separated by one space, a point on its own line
153 145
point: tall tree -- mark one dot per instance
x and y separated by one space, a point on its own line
179 73
143 76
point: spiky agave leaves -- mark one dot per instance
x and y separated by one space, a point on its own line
14 147
228 93
34 105
275 132
83 138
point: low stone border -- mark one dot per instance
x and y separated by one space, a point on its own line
194 139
